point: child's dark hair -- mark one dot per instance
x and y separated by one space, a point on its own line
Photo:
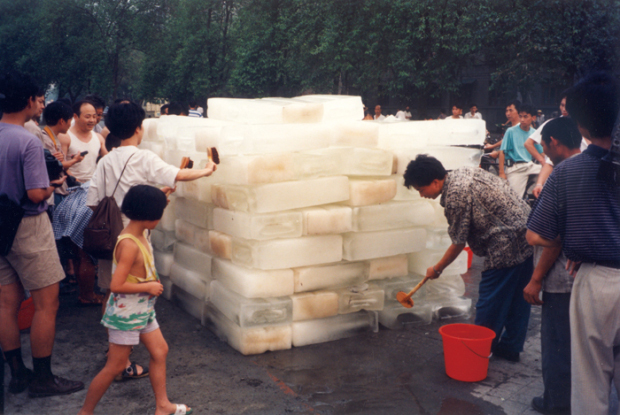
123 119
423 171
144 202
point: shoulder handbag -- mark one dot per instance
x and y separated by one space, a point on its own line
11 215
104 225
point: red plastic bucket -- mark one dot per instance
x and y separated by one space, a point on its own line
470 256
466 350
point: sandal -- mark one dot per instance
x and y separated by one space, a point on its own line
182 410
131 372
96 300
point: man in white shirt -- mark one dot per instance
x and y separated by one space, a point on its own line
457 111
473 113
83 140
378 115
404 115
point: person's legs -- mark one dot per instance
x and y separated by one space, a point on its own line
86 278
117 356
517 177
491 309
11 297
43 327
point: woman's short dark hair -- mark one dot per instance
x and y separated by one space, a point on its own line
144 202
123 119
56 111
423 170
16 89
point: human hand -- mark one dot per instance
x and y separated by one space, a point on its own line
77 158
431 274
531 292
572 267
537 190
209 168
59 156
503 176
168 190
154 288
58 182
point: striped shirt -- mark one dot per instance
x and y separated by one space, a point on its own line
194 113
583 211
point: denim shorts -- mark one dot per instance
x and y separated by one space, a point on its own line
130 337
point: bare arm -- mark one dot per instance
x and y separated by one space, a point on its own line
39 195
548 257
103 151
531 148
502 174
492 146
126 253
542 178
535 239
451 253
187 175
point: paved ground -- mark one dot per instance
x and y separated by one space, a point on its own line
390 372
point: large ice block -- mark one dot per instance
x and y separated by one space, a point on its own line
194 306
360 297
167 220
163 262
275 197
364 192
334 328
199 189
195 212
395 316
437 237
420 261
348 161
432 133
193 282
174 156
315 304
264 111
336 107
440 217
220 244
168 287
450 307
249 312
355 134
392 215
260 226
320 277
287 253
249 340
253 283
366 245
402 193
208 135
446 285
317 163
149 126
257 169
185 231
273 138
192 259
393 286
451 157
162 240
389 267
328 219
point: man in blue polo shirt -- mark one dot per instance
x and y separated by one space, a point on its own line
513 149
580 210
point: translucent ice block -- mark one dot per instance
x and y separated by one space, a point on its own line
167 220
350 161
337 107
273 138
329 219
436 133
189 257
313 305
450 307
199 189
253 283
287 253
364 192
446 285
317 163
392 215
168 287
208 135
366 245
192 305
451 157
264 111
393 286
248 312
258 226
162 240
420 261
402 193
193 282
355 134
334 328
320 277
249 340
149 126
220 244
163 262
281 196
360 297
437 237
257 169
440 217
202 240
174 156
195 212
393 266
185 231
395 316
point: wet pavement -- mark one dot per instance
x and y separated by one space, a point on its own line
389 372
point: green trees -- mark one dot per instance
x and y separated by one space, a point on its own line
193 49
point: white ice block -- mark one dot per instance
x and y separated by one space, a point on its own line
355 134
328 219
195 212
317 163
253 283
436 133
220 244
360 297
167 220
451 157
364 192
273 138
264 111
395 316
393 286
393 266
440 216
320 277
199 189
192 305
446 285
162 240
168 287
191 258
392 215
163 262
336 107
450 307
260 226
334 328
366 245
149 126
185 231
402 193
257 169
313 305
275 197
208 135
348 161
287 253
249 340
202 241
420 261
174 156
437 237
194 282
249 312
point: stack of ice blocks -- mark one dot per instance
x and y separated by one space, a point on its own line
305 232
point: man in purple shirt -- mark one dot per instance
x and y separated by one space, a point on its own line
32 262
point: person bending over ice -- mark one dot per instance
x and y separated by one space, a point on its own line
130 313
